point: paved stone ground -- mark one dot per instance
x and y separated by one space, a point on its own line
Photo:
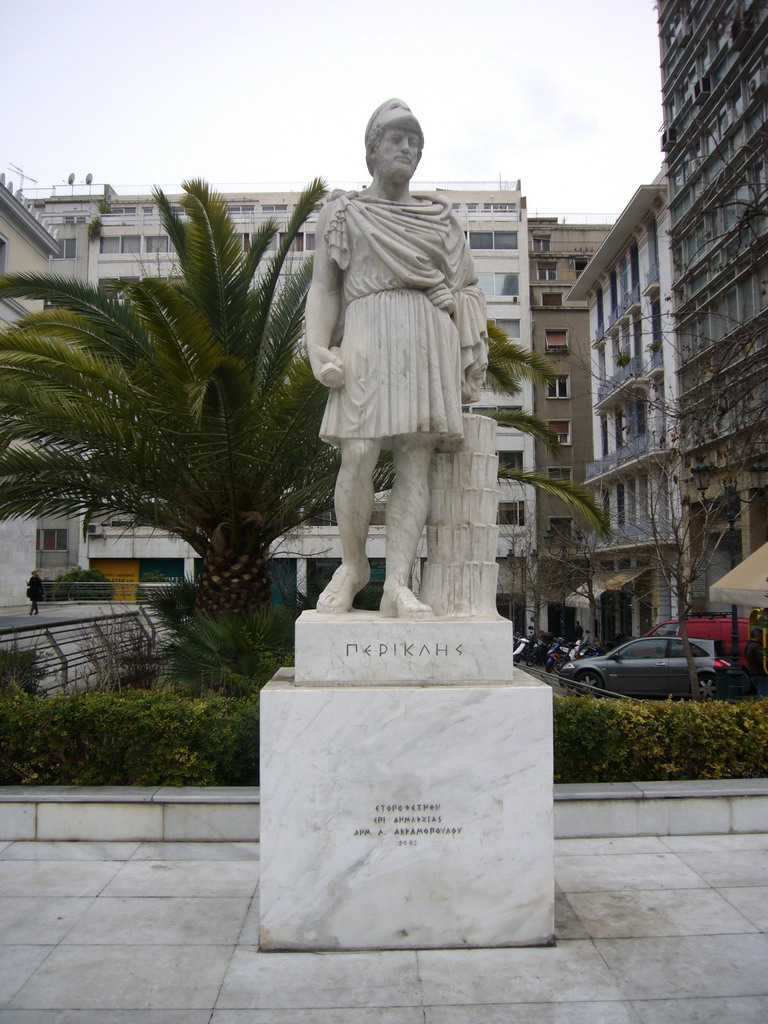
650 931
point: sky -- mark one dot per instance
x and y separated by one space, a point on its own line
562 94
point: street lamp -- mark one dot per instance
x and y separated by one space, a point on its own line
733 504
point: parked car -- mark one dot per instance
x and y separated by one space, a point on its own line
649 667
711 627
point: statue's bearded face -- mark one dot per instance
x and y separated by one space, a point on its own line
397 154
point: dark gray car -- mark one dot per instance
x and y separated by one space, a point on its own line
653 666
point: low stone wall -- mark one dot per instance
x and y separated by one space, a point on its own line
154 814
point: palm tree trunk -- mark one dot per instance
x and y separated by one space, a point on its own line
232 582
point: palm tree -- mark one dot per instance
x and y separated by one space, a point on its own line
189 406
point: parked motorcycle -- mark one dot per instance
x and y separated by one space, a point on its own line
558 653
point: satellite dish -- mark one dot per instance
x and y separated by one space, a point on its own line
71 179
88 179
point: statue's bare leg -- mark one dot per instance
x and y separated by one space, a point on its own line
354 505
406 515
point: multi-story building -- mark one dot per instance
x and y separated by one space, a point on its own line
105 237
627 284
714 68
558 254
25 246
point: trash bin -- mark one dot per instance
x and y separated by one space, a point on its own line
722 683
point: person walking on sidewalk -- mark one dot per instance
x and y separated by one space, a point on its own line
34 591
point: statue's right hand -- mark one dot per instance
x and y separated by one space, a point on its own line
327 365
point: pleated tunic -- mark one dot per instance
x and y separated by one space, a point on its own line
409 293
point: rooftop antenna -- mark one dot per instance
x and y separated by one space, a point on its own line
24 177
88 182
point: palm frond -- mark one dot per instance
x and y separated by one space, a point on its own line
574 495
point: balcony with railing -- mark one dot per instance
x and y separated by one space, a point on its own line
652 277
635 448
630 298
632 369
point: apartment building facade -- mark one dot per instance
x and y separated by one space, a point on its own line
26 246
105 237
633 362
714 68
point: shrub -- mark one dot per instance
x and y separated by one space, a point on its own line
139 739
21 670
65 587
599 740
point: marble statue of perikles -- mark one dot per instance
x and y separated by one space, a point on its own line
396 329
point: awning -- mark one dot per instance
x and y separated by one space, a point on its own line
615 579
747 584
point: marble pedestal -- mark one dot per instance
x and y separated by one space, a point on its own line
406 816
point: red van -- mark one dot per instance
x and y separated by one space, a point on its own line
710 627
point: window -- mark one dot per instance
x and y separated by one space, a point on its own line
648 649
551 299
471 207
109 244
563 430
51 540
3 254
541 244
561 526
130 243
67 249
578 264
620 505
158 243
499 284
558 388
559 473
309 241
599 312
510 327
493 240
500 207
546 271
274 207
147 210
512 513
129 210
241 207
455 207
510 460
556 340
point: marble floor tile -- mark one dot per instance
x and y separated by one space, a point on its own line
736 867
184 878
33 920
571 972
197 851
68 851
249 934
197 921
752 902
17 964
716 844
657 912
735 1010
67 878
617 844
567 924
104 1017
315 980
126 977
625 871
358 1015
671 968
534 1013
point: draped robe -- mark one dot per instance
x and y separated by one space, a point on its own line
412 323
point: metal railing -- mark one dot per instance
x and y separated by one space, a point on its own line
103 592
73 654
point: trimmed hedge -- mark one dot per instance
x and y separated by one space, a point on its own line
599 740
129 739
161 738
